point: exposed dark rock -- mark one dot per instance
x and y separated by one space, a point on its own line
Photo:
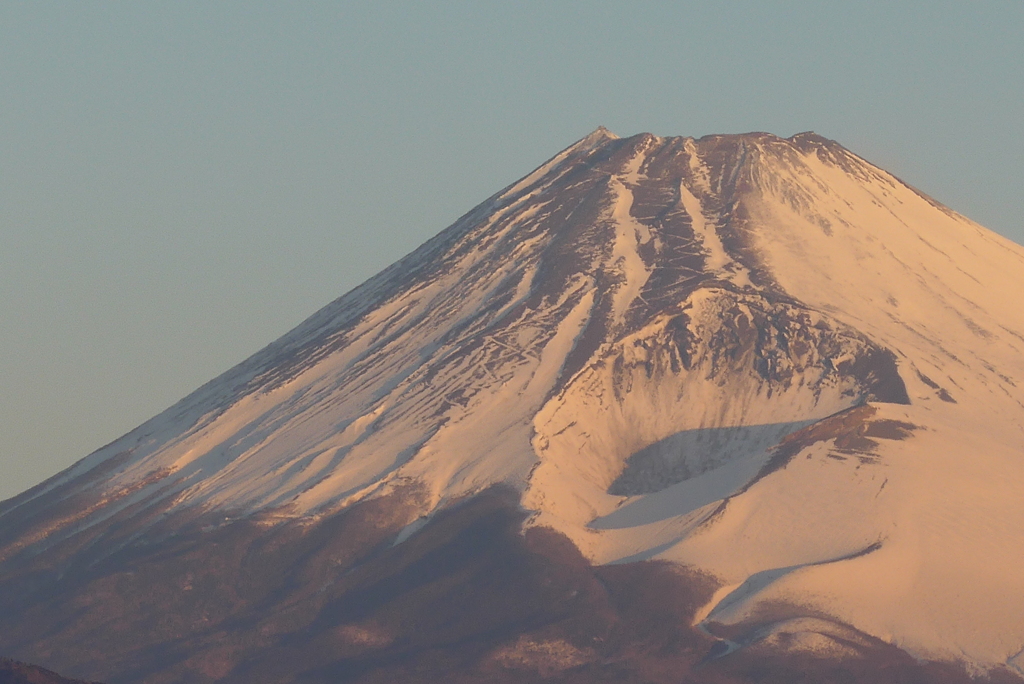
852 431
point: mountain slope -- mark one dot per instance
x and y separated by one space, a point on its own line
762 366
13 672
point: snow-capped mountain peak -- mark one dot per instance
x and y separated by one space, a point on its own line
763 358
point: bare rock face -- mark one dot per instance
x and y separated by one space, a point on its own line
736 409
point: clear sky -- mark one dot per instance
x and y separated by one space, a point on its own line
182 182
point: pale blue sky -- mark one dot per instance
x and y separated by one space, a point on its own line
182 182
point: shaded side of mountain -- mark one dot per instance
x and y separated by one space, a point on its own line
466 597
14 672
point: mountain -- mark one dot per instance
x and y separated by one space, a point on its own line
732 409
13 672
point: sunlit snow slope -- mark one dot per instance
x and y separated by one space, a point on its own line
764 358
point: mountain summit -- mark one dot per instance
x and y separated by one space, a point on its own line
737 406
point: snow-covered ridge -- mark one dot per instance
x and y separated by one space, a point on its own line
626 336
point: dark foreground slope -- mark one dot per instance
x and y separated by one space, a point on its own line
469 598
13 672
